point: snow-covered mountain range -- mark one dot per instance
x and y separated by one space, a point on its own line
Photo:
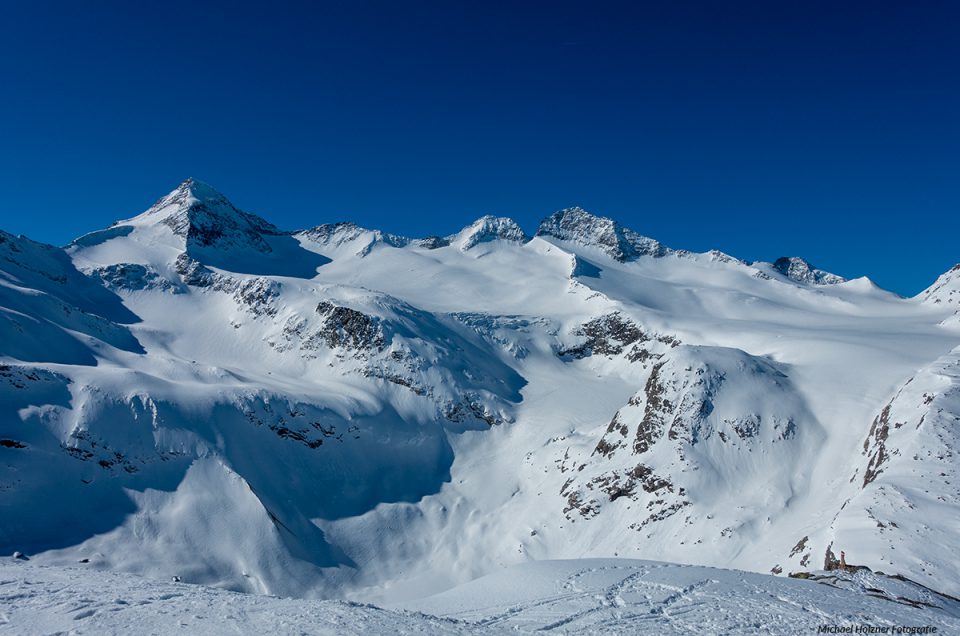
340 412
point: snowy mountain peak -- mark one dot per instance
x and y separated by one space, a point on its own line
801 271
205 218
578 226
490 228
198 190
189 193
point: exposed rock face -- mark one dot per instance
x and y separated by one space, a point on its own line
349 329
875 446
658 449
342 329
656 413
579 226
800 271
131 277
256 295
613 334
470 405
606 335
432 242
194 273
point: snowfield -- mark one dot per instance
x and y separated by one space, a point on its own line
342 413
588 596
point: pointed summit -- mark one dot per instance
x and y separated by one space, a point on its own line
190 192
576 225
198 190
206 218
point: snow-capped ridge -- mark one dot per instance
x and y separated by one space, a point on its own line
489 228
204 218
578 226
346 233
798 270
363 240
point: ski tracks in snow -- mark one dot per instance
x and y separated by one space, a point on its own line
585 605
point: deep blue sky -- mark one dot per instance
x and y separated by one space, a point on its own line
829 130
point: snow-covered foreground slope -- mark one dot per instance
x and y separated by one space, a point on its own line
344 413
606 596
590 596
75 600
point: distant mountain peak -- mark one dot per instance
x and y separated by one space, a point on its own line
491 228
344 232
576 225
801 271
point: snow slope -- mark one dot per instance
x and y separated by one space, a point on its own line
341 412
908 474
80 600
593 596
602 596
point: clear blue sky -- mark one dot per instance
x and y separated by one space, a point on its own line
829 130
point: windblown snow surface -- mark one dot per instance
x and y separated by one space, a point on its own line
581 596
343 413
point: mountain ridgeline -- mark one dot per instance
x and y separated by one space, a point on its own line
343 412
